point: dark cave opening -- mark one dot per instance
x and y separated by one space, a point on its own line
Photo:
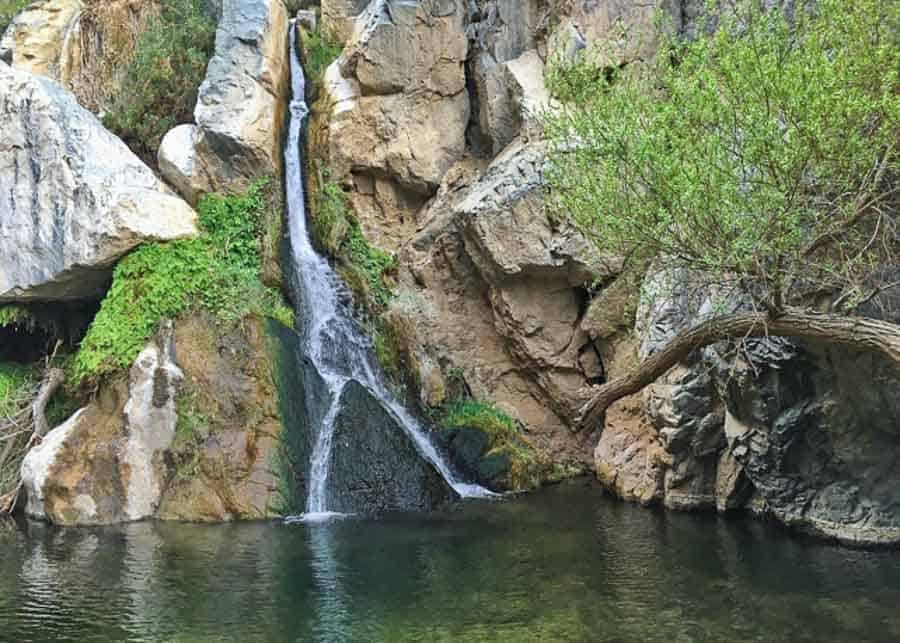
35 337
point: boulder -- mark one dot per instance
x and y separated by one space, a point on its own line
73 197
375 465
85 46
199 441
241 106
105 464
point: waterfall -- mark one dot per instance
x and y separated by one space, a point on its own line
331 339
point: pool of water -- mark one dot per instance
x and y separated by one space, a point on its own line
565 564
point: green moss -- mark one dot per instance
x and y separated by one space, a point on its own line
14 315
321 49
362 265
527 469
219 272
161 83
480 415
8 11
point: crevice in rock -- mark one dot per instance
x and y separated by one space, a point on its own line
31 339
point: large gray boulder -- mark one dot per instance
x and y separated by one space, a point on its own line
73 197
375 466
241 105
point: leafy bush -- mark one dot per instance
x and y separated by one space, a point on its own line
219 271
14 315
161 83
479 415
321 50
762 152
8 11
14 379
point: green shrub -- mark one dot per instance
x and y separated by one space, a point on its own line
14 379
14 315
161 83
8 11
321 50
219 271
480 415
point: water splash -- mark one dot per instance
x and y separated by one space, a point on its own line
332 340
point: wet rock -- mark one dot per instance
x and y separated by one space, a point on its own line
467 450
375 466
74 198
241 107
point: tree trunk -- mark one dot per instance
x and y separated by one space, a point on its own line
855 332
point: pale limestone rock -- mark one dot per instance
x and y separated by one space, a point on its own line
73 197
339 17
38 464
105 464
241 105
150 419
40 39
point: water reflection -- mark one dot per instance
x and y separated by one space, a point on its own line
564 565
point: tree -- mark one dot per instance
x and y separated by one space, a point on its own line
761 157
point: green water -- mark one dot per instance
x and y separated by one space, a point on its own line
566 564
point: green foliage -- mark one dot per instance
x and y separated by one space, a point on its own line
219 271
480 415
527 470
14 380
362 265
730 155
8 11
161 83
578 80
321 50
14 315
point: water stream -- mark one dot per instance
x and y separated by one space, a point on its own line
332 340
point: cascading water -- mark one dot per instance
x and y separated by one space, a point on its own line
331 339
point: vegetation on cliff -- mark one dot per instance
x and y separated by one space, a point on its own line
160 86
8 11
760 157
363 266
219 272
320 49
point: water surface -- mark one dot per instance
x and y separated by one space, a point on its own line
565 564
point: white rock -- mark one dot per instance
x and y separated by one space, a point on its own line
73 197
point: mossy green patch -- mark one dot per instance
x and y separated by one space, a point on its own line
526 468
219 271
321 49
15 380
8 11
362 265
13 315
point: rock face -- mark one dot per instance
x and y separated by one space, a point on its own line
73 197
241 106
394 113
494 288
85 46
375 466
799 431
196 442
105 464
339 17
